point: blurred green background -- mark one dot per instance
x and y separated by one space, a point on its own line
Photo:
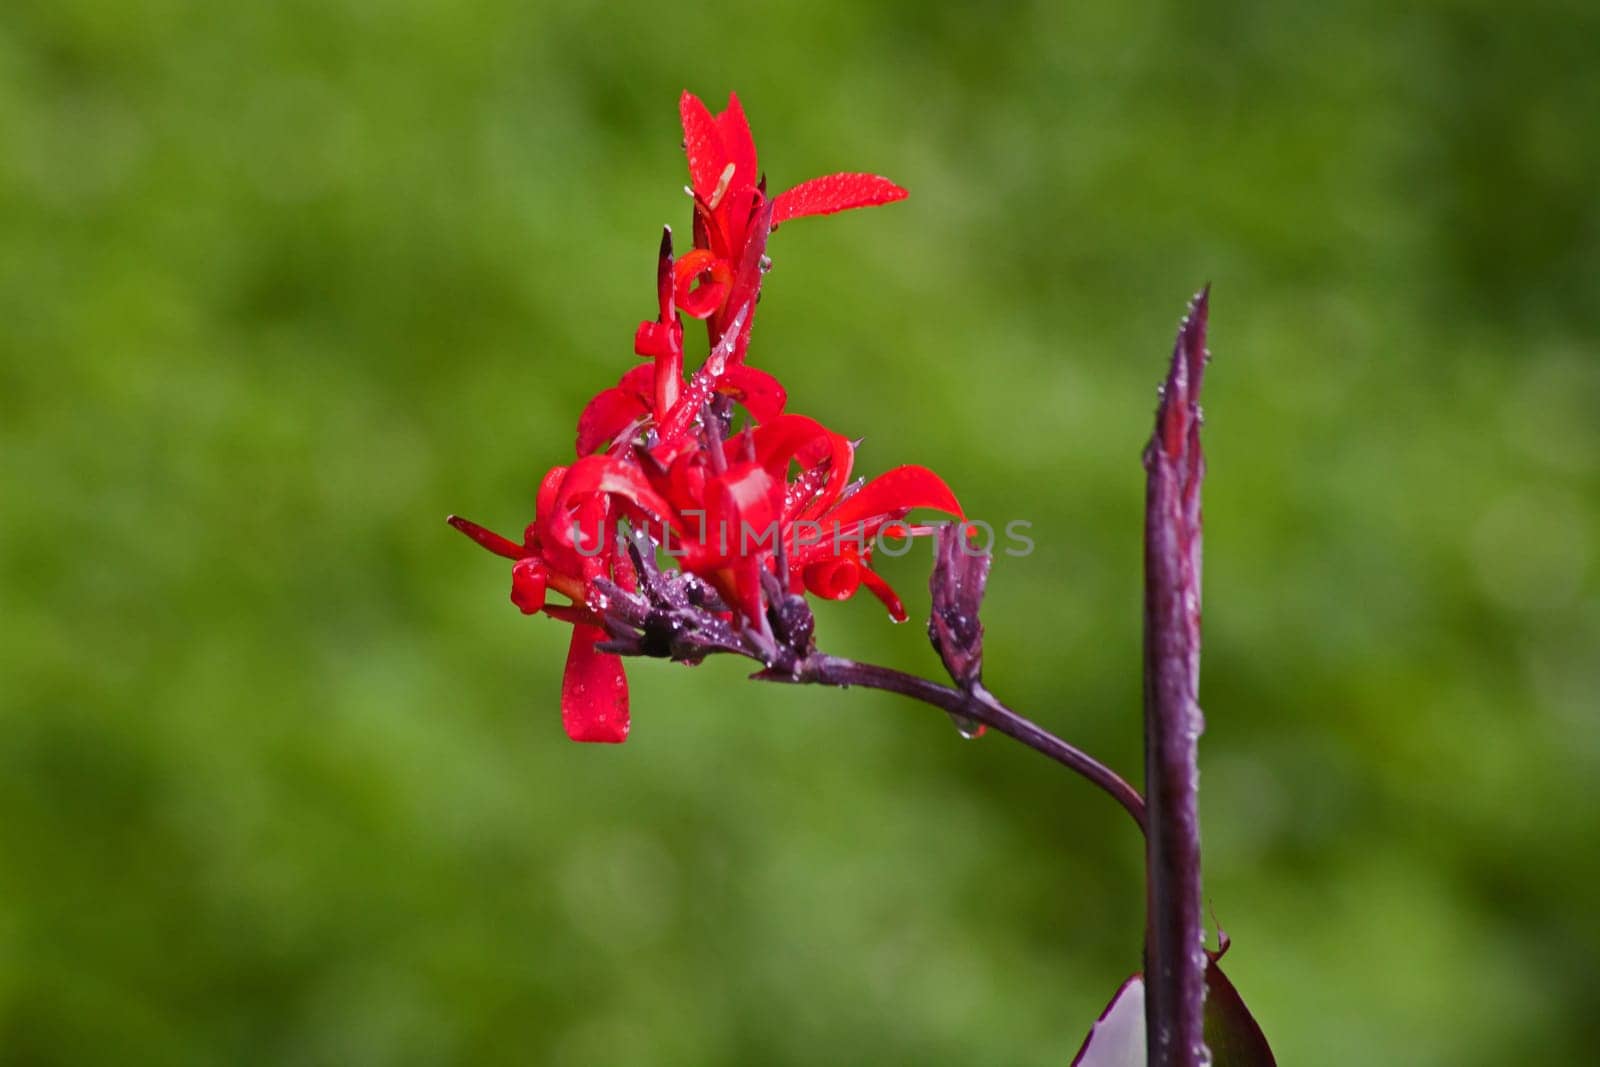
282 779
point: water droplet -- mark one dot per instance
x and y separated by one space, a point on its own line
966 726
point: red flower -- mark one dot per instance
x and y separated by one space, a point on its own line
775 499
733 214
567 546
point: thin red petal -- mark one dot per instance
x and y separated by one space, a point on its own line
746 286
884 592
594 690
739 148
702 143
894 493
500 546
834 192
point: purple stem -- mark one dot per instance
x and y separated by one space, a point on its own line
980 705
1175 959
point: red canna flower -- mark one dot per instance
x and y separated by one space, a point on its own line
733 213
770 511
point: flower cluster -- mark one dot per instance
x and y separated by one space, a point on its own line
753 517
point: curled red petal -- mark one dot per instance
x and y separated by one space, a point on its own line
834 192
594 690
762 395
702 143
608 414
834 579
500 546
895 492
656 339
714 276
796 437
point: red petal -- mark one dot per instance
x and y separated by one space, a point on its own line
896 492
500 546
795 437
742 509
835 192
664 276
762 395
834 579
712 273
594 690
596 475
681 416
655 339
528 585
607 415
638 381
702 143
746 286
739 149
549 490
882 590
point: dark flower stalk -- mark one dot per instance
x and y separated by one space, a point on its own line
978 706
1175 958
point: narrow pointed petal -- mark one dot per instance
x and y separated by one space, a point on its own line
500 546
884 592
746 284
702 143
894 493
739 148
664 276
834 192
594 690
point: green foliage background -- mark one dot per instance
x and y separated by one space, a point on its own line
281 774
